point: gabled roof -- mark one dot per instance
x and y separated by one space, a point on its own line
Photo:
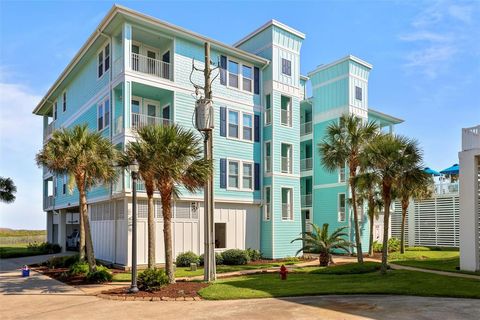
272 22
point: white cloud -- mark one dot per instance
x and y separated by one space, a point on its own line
427 36
462 13
429 60
20 139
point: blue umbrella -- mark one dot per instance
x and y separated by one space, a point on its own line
431 171
455 169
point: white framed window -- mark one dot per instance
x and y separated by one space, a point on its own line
64 184
358 93
267 209
233 74
220 235
103 60
341 175
268 157
287 158
64 101
103 114
247 176
286 67
233 124
247 126
341 207
233 174
286 111
247 78
287 204
268 109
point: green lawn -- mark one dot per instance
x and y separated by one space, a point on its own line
16 250
433 260
316 281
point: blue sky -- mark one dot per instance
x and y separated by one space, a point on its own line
426 58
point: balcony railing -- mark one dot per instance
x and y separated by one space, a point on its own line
286 117
141 120
48 202
286 211
306 164
151 66
306 200
305 128
471 138
286 165
446 188
49 130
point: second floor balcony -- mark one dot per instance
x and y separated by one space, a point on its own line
141 120
306 164
305 128
306 200
151 66
446 188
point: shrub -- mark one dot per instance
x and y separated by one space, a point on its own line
61 262
254 254
417 249
235 257
186 258
45 247
101 274
291 260
393 245
152 279
377 246
78 268
218 259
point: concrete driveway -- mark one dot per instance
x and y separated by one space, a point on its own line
40 297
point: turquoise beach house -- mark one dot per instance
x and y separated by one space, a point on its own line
134 71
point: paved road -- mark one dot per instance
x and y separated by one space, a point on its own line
40 297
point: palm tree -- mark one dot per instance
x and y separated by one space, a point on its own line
178 162
385 157
143 152
7 190
368 191
88 159
324 243
415 183
344 143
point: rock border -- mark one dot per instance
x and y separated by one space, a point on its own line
134 298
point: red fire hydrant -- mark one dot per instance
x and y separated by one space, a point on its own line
283 272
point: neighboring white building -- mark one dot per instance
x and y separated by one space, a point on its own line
470 199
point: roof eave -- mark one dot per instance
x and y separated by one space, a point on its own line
269 23
388 117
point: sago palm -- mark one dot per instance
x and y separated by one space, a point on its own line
179 162
368 186
344 143
7 190
385 157
143 151
319 240
87 159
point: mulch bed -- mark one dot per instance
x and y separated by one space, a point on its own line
184 290
61 274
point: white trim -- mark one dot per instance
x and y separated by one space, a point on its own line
264 211
240 125
239 75
331 114
272 22
102 50
265 157
240 174
329 185
349 57
291 202
102 103
338 207
270 110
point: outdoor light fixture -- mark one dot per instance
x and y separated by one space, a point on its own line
133 167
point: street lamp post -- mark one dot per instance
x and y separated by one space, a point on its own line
134 172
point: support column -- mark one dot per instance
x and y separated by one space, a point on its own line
62 229
49 227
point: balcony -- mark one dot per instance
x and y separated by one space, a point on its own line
306 164
141 120
446 188
471 138
305 128
48 202
150 66
47 134
306 200
286 165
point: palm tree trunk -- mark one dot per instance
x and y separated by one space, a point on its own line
402 232
370 243
151 232
86 225
386 220
167 234
355 217
81 245
324 259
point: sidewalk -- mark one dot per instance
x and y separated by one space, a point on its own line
443 273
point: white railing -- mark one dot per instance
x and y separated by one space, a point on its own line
471 138
306 128
49 130
306 200
306 164
286 211
446 188
48 202
141 120
286 165
117 66
268 164
151 66
286 117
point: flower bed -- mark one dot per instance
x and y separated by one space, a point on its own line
184 290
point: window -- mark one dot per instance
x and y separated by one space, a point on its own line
103 114
247 78
268 109
103 61
286 67
220 235
233 174
247 176
287 209
232 74
341 175
233 124
268 157
286 158
286 109
247 127
64 184
267 209
358 93
64 101
341 207
55 111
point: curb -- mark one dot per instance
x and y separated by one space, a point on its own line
133 298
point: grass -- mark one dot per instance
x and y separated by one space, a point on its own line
313 281
17 250
21 233
432 260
